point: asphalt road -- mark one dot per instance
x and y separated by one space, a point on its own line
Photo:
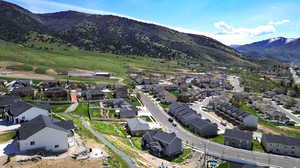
234 81
218 150
288 112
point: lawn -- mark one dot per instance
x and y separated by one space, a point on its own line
82 109
59 108
137 142
7 136
135 102
243 106
218 139
224 165
109 128
181 158
256 146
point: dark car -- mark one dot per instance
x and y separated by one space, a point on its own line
170 120
174 125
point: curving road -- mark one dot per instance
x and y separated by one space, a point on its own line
218 150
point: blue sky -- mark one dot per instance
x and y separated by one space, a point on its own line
229 21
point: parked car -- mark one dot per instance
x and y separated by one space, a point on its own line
170 120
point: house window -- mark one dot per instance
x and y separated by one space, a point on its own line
32 143
56 146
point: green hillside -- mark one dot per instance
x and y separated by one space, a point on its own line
62 58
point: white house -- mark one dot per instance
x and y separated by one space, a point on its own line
21 111
45 134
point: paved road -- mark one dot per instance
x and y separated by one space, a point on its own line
234 81
198 108
288 112
218 150
125 157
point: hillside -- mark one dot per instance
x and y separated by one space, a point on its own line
280 48
118 35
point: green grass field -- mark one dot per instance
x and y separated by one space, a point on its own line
7 136
59 108
256 146
82 109
63 59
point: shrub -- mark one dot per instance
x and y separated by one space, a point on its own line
20 67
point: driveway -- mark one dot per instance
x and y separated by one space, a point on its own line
5 126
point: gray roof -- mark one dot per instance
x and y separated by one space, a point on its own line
235 133
137 124
200 123
7 100
20 107
40 122
164 137
285 140
128 111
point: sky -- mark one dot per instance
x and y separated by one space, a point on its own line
229 21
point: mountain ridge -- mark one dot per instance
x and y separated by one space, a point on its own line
109 33
278 48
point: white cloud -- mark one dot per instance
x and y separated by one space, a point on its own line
279 22
226 29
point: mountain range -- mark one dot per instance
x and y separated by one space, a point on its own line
280 48
114 34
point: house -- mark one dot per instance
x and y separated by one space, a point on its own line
19 83
191 120
128 111
5 101
236 116
23 91
103 74
203 128
282 145
56 92
238 139
116 103
93 94
19 112
121 93
138 126
162 144
43 134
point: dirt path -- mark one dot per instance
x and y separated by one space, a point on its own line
25 75
60 163
266 129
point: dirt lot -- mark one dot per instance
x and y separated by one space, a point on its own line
61 163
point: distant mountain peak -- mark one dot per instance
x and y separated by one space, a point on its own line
279 48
